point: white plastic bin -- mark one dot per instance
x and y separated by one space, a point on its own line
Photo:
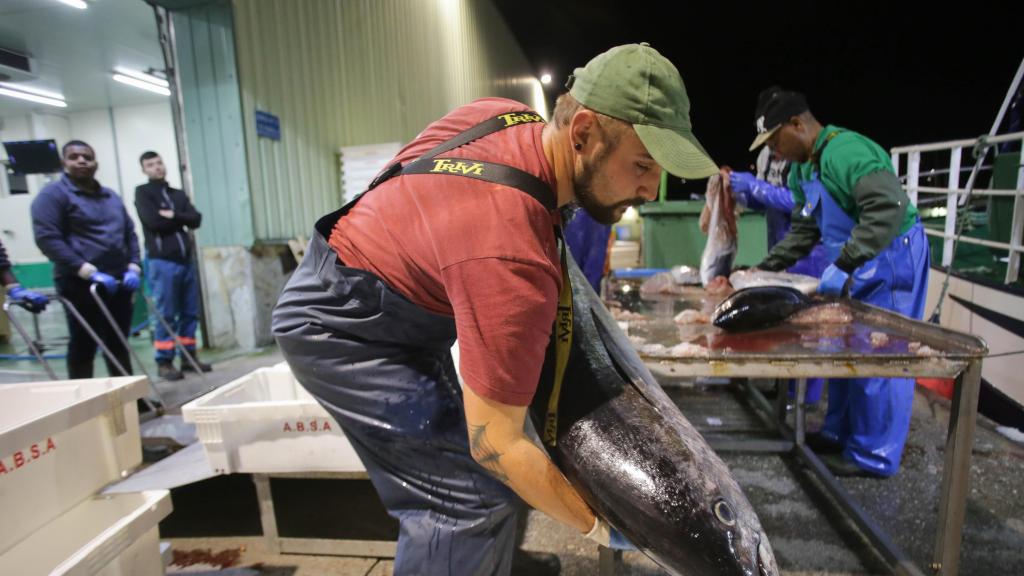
114 535
60 443
265 422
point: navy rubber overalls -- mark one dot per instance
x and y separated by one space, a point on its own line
381 365
587 240
870 417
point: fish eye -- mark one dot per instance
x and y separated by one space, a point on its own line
724 513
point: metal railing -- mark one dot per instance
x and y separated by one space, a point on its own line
957 196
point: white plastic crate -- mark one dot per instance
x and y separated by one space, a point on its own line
60 443
265 422
113 535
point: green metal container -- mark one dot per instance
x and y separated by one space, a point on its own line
671 235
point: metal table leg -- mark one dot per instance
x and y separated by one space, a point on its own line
608 561
956 471
267 518
798 406
277 544
898 561
781 397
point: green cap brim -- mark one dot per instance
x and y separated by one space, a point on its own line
762 138
678 153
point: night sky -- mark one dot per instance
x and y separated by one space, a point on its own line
900 77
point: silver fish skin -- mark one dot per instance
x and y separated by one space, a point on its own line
751 278
636 460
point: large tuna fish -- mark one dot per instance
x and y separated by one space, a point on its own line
718 221
636 460
758 307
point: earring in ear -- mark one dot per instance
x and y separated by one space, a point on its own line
578 146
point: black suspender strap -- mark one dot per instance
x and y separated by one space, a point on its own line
488 172
484 128
476 169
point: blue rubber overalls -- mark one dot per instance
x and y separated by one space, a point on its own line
587 240
870 417
382 367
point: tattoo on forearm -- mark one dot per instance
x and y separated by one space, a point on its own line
484 453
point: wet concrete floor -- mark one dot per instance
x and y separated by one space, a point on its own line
808 533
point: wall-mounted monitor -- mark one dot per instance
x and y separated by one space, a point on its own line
33 157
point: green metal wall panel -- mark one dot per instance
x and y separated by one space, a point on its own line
204 38
36 275
344 73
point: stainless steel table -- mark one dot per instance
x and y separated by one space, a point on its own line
822 351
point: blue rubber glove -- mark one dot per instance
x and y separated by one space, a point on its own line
616 541
832 281
130 280
758 194
767 195
741 183
34 301
108 282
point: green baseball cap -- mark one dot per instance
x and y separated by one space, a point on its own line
636 84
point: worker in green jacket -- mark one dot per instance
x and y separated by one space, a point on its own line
848 197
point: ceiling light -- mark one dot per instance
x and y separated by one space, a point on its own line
142 76
80 4
142 84
545 79
33 97
31 90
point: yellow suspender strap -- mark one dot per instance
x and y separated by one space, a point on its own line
563 344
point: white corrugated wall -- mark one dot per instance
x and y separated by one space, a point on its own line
350 72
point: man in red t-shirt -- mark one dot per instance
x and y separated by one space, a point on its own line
457 237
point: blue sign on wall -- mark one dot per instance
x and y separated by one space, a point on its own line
268 125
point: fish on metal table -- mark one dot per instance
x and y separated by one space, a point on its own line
636 460
718 221
758 307
763 306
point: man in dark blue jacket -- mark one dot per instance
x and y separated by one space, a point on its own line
84 229
167 218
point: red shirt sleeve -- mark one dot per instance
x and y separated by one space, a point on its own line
504 309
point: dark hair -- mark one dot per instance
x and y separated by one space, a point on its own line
70 143
147 155
565 107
